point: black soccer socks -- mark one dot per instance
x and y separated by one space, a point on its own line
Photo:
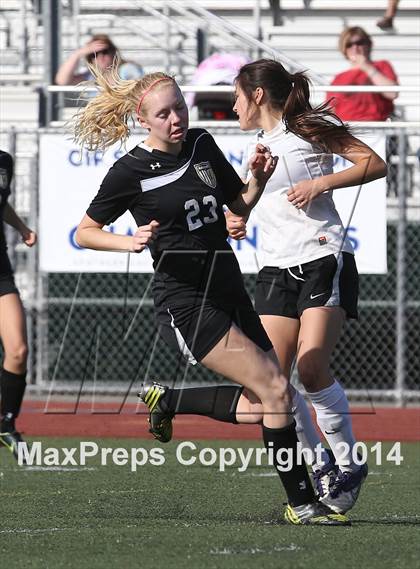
12 389
217 402
281 444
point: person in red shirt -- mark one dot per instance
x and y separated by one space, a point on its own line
356 46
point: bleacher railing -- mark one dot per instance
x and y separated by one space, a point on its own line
49 106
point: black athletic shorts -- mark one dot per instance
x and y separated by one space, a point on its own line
329 281
194 328
7 284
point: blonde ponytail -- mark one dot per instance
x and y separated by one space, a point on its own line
106 118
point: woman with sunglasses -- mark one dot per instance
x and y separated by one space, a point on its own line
356 46
100 50
175 184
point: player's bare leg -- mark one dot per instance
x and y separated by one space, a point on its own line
13 333
13 373
284 333
239 359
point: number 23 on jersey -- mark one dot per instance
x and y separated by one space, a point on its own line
199 214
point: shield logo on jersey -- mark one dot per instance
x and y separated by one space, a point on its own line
206 174
3 179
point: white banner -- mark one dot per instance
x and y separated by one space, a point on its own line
69 179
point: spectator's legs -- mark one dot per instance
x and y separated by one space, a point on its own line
387 22
276 11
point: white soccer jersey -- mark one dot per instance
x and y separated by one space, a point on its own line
291 236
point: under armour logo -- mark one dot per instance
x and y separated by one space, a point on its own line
153 166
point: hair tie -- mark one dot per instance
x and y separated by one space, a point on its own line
149 89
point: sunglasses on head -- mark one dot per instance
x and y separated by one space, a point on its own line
360 43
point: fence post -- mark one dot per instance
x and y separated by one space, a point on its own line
202 48
167 13
76 26
43 119
32 265
257 26
52 51
41 330
24 40
401 270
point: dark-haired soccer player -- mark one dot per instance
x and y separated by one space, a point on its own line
308 284
12 317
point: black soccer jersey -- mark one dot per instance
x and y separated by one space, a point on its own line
184 193
6 174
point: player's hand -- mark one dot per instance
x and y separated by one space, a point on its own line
236 225
29 237
144 235
262 163
92 47
303 192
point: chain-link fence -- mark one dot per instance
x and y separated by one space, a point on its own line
98 330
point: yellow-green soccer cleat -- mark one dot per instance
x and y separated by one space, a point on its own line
314 514
11 440
160 420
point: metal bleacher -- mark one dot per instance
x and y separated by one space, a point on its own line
141 30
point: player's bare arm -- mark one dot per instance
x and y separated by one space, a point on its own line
90 234
29 236
367 166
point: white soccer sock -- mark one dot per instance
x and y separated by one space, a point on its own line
333 417
307 434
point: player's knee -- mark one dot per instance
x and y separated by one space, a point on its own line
18 354
270 385
311 370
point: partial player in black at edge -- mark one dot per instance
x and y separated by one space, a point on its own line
175 184
12 318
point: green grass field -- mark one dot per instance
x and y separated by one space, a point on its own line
175 516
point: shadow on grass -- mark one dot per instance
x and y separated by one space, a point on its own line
387 522
275 519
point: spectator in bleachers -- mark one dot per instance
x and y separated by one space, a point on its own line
387 21
100 49
356 46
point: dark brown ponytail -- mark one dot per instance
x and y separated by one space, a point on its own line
297 102
290 94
